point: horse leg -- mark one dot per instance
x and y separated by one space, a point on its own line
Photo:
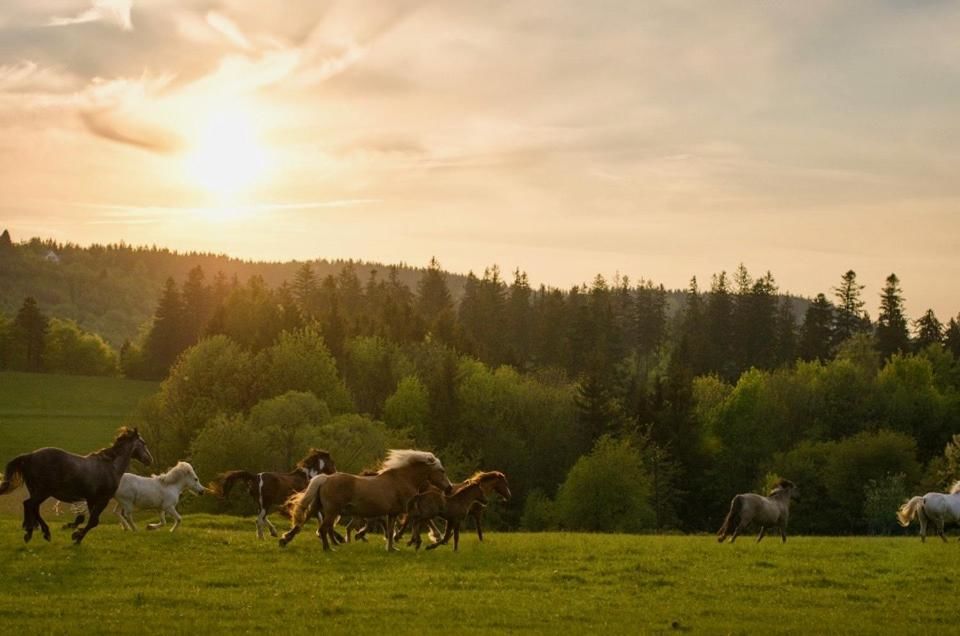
477 514
923 526
76 523
29 523
95 508
446 537
162 522
388 532
176 518
456 536
763 530
262 522
783 534
270 526
939 529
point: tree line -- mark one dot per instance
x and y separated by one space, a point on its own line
661 414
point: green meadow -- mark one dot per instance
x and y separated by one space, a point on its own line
214 576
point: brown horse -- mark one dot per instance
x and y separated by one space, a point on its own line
452 508
387 493
492 481
770 511
93 478
272 489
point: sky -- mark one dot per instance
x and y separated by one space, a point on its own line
655 139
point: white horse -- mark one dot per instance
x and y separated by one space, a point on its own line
159 492
933 507
770 511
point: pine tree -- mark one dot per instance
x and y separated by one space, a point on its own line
30 331
929 330
691 351
651 316
305 289
786 349
519 320
6 243
892 334
719 328
848 318
197 305
951 338
433 296
165 340
816 334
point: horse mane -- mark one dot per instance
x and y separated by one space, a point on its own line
470 483
173 475
124 434
311 457
402 458
481 476
955 487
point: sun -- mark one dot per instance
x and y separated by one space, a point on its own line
225 157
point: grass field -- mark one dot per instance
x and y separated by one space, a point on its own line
214 576
77 413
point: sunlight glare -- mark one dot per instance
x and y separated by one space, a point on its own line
226 158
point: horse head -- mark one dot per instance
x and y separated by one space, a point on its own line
501 486
139 452
318 462
193 481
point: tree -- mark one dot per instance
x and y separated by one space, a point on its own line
289 424
6 243
166 338
197 305
433 297
786 345
719 326
892 335
409 409
651 316
848 318
305 289
929 330
71 350
301 361
951 337
607 491
30 331
816 333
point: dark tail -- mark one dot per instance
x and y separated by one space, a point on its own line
13 475
222 484
732 521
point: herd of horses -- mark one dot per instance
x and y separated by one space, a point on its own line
409 491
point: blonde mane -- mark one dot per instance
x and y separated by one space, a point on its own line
175 474
482 476
955 487
402 458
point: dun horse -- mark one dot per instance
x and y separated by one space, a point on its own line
272 489
771 511
51 472
933 507
400 478
159 492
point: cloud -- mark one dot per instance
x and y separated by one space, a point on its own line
111 11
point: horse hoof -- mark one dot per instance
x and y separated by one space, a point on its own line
46 537
27 537
283 542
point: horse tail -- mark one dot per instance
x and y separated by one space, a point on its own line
300 502
909 511
733 519
224 482
12 475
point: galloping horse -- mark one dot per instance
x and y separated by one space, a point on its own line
452 508
770 511
491 482
272 489
51 472
159 492
933 507
387 493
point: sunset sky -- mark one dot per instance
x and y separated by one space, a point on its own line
656 139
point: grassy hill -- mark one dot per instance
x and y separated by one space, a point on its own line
213 576
77 413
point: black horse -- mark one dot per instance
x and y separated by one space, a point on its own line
51 472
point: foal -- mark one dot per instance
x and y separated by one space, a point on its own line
452 508
770 511
159 492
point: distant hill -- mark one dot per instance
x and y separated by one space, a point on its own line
112 290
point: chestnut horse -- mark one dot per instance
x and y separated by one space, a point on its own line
51 472
452 508
770 511
401 476
272 489
491 482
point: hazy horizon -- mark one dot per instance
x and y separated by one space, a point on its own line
658 140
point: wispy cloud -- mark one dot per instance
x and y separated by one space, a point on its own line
115 12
